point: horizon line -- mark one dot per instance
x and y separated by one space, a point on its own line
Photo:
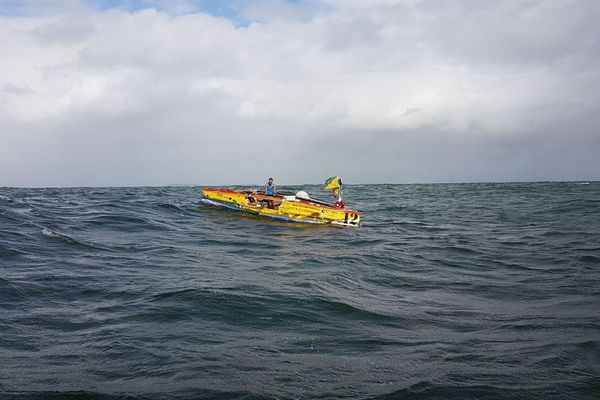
300 184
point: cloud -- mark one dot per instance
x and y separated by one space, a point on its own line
378 91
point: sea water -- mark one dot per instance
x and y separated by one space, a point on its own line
446 291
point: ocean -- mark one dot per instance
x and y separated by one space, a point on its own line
445 291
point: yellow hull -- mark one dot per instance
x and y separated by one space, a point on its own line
285 208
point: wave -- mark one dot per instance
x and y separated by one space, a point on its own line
70 240
467 390
203 394
588 258
14 200
391 208
247 304
9 252
120 219
586 205
10 216
173 208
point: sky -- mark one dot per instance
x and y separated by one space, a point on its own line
206 92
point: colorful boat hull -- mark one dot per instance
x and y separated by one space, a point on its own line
283 208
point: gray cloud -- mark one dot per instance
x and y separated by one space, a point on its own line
378 91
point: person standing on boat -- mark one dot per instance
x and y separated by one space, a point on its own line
270 188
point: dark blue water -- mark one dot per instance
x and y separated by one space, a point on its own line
449 291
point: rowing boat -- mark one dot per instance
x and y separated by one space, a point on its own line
284 207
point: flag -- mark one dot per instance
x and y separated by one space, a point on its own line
334 183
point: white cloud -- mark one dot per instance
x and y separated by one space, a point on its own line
165 97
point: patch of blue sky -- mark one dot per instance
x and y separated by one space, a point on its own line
229 9
10 8
225 9
232 10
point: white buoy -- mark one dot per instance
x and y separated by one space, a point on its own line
302 195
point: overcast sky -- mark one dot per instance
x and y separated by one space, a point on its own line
152 92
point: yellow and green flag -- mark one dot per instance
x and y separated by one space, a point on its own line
334 183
